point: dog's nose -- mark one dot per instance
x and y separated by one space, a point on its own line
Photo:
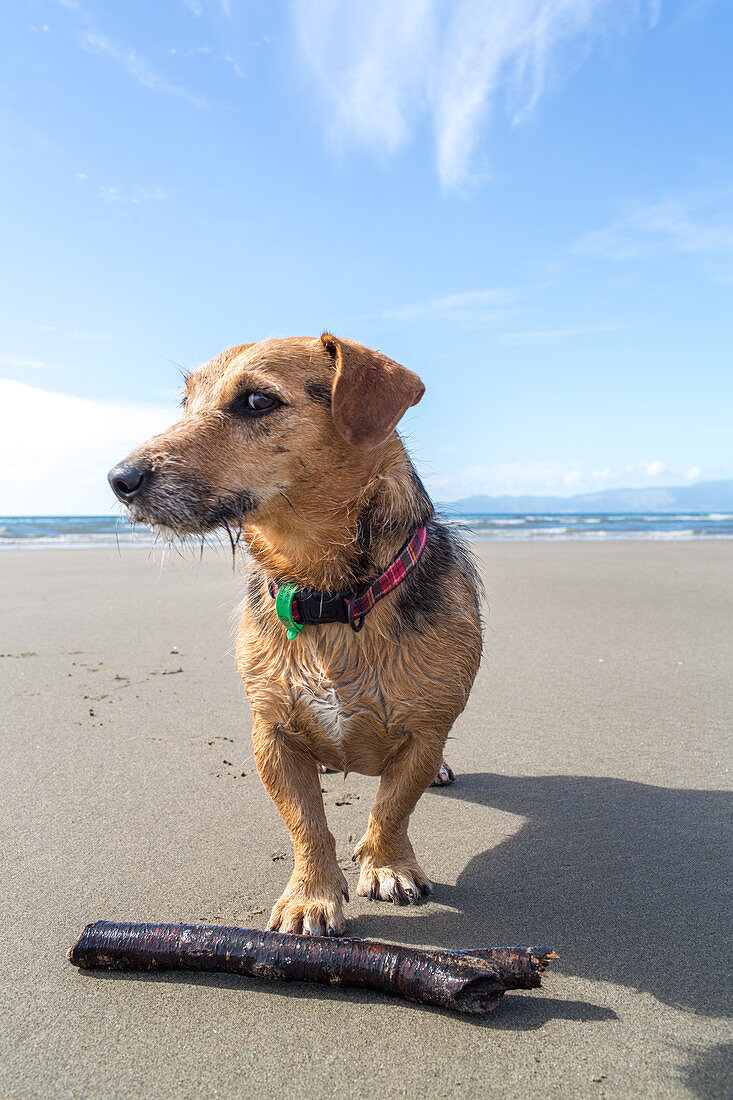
127 479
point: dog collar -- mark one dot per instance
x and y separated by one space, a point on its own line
298 607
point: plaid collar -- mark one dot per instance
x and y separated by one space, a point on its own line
298 607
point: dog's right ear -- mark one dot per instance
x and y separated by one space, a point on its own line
370 392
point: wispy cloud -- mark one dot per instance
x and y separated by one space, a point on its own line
382 67
14 361
234 65
197 7
547 336
700 222
189 51
136 66
129 60
72 334
133 195
557 479
477 306
229 59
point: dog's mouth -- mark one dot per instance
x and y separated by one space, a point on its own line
176 520
178 506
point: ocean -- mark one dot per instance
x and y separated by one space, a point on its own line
65 532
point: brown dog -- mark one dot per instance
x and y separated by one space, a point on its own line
291 443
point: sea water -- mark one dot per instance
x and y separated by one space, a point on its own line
34 532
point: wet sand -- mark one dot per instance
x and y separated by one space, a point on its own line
589 813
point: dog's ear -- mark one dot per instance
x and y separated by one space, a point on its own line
370 392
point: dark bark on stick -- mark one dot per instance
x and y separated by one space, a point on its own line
521 967
466 982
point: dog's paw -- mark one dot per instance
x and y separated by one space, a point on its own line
401 885
444 776
314 917
308 911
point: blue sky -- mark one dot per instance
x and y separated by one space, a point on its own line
531 205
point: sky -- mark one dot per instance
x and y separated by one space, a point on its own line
528 204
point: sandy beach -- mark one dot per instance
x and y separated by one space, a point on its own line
589 813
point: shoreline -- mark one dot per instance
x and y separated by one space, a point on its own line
89 532
599 538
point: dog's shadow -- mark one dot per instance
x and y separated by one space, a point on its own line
630 883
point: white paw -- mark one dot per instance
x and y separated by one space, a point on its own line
444 776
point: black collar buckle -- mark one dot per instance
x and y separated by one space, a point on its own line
317 607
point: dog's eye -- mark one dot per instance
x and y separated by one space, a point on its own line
253 404
260 402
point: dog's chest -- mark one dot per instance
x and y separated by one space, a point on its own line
347 727
327 711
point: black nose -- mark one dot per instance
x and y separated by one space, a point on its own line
127 479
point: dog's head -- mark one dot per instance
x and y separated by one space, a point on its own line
264 426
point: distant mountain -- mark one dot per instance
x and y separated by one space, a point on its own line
705 496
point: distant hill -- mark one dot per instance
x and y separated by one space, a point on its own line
705 496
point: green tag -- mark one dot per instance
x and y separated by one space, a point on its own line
284 609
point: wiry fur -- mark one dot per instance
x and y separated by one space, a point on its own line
327 509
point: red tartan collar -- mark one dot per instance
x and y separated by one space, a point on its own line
299 607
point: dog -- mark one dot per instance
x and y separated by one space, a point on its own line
290 446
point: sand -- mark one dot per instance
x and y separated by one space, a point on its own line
589 813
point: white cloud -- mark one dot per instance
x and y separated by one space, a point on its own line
197 7
127 57
206 51
73 334
382 67
189 51
14 361
55 450
555 479
697 223
136 66
133 195
546 336
235 66
471 305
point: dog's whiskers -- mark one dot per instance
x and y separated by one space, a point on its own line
233 545
287 498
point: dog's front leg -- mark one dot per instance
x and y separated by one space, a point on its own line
312 901
389 868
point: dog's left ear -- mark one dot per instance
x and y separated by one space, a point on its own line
370 392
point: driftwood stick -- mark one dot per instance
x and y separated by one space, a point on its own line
466 982
521 967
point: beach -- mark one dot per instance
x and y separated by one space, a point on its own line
589 814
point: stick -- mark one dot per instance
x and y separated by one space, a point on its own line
471 982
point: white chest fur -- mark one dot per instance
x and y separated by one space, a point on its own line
326 711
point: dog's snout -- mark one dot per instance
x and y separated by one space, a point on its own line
127 479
